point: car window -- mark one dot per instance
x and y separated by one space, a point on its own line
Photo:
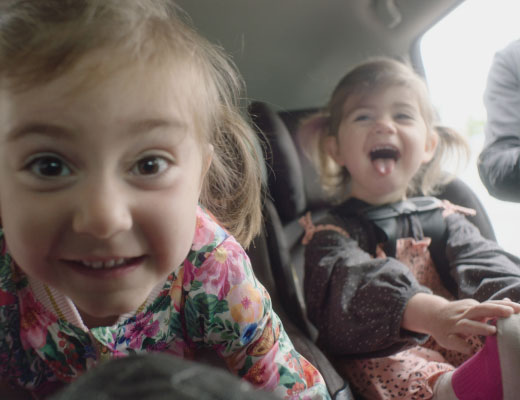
457 53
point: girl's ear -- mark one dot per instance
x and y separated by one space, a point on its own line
332 149
430 146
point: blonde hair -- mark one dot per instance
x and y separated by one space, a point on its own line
42 40
366 78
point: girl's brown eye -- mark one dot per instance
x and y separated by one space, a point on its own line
49 167
150 165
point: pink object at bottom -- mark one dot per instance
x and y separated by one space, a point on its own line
480 378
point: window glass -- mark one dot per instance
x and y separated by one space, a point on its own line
457 53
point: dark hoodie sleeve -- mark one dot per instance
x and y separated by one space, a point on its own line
480 267
357 301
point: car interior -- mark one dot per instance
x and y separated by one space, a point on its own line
291 54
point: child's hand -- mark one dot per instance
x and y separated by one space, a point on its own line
456 320
450 322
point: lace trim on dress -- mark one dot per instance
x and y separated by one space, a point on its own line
450 208
311 229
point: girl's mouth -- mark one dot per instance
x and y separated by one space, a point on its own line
384 152
384 158
109 263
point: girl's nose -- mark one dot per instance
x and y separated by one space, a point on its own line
102 211
385 125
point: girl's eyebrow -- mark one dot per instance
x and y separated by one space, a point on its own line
149 124
23 130
58 131
404 104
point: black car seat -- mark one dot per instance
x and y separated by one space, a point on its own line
294 189
263 253
259 253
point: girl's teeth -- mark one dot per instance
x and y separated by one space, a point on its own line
104 264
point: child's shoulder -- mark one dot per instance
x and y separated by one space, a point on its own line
209 233
211 239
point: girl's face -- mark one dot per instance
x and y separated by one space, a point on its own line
382 141
99 185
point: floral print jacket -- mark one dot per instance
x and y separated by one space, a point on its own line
212 301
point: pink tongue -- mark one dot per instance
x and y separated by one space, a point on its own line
384 165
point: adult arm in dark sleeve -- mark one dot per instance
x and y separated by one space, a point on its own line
357 301
481 268
499 162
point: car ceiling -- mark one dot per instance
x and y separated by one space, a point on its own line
291 53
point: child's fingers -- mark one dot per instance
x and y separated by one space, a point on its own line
508 303
468 327
491 310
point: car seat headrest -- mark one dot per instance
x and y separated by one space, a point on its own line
285 178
